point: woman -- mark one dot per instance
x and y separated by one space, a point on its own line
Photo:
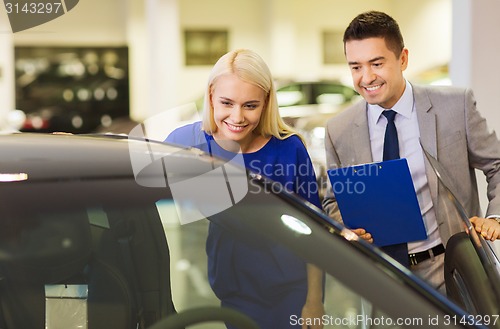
241 115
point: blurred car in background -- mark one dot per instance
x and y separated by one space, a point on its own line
306 106
71 89
297 97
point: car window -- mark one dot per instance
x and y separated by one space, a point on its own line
83 250
353 297
343 307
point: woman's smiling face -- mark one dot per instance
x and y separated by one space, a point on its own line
237 108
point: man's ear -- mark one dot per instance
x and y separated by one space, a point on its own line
404 59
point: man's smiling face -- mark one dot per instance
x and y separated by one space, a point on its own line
377 73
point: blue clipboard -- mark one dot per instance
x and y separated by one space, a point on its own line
379 197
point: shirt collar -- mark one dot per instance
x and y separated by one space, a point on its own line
404 106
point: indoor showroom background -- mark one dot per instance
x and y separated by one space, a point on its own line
289 34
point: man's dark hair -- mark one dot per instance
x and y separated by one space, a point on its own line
375 24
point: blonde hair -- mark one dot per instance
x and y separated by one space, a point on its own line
251 68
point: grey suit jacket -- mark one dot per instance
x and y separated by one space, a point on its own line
451 130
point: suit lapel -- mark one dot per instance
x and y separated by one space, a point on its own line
360 136
426 121
427 126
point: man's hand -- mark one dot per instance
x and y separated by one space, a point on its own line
361 232
489 228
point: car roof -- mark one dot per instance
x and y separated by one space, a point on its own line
66 156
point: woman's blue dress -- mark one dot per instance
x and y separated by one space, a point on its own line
266 282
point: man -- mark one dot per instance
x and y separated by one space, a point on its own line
443 119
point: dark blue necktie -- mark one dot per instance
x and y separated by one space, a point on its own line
391 144
391 151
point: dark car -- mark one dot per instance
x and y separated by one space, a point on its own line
110 232
315 101
294 93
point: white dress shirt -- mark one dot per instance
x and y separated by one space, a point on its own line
409 147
